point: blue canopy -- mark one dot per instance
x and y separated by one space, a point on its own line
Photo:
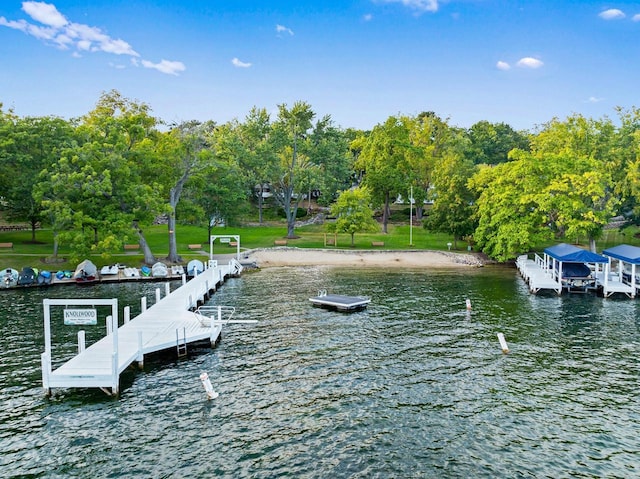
572 254
624 252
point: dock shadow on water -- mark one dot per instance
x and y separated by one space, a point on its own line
416 385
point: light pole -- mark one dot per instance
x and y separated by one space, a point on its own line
411 218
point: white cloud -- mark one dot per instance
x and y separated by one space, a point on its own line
44 13
611 14
165 66
55 29
283 29
239 64
593 99
420 5
636 17
503 66
367 17
529 62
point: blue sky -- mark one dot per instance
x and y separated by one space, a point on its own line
519 62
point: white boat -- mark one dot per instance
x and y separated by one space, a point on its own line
9 277
177 270
131 273
195 267
159 270
109 270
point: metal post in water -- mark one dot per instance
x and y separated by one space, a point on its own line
143 303
157 295
127 314
109 322
167 289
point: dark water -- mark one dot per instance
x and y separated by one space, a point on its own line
415 386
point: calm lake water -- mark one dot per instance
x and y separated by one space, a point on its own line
415 386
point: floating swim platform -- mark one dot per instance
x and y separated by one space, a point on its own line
339 302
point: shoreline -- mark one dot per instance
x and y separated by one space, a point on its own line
289 256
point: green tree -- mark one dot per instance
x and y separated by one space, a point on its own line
259 159
111 178
27 146
295 174
453 210
330 153
187 151
579 198
509 218
383 159
353 213
492 142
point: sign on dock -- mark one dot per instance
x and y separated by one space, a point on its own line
82 317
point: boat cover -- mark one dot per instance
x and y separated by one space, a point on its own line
624 252
572 254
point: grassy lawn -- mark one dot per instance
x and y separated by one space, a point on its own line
27 253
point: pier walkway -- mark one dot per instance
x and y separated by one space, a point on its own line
170 323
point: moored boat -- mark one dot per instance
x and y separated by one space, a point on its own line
195 267
159 270
27 276
86 272
44 278
9 277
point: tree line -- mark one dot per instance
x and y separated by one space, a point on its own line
98 180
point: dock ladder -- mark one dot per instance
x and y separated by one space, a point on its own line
181 344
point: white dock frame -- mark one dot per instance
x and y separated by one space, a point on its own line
538 275
170 322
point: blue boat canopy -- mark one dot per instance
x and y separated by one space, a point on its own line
624 252
572 254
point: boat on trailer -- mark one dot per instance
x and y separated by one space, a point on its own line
339 302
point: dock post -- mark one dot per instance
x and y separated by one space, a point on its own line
167 289
45 360
143 303
109 322
81 341
115 379
127 314
184 279
140 357
157 295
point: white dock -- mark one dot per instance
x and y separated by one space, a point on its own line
170 323
537 276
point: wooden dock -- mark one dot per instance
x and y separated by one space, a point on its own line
172 322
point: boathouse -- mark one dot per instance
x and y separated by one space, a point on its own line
576 269
623 270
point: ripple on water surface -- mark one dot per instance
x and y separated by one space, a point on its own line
414 386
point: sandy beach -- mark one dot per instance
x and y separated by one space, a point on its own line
286 256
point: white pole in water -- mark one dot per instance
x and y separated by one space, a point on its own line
211 394
503 343
468 304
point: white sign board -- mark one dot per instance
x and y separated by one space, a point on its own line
225 240
80 316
